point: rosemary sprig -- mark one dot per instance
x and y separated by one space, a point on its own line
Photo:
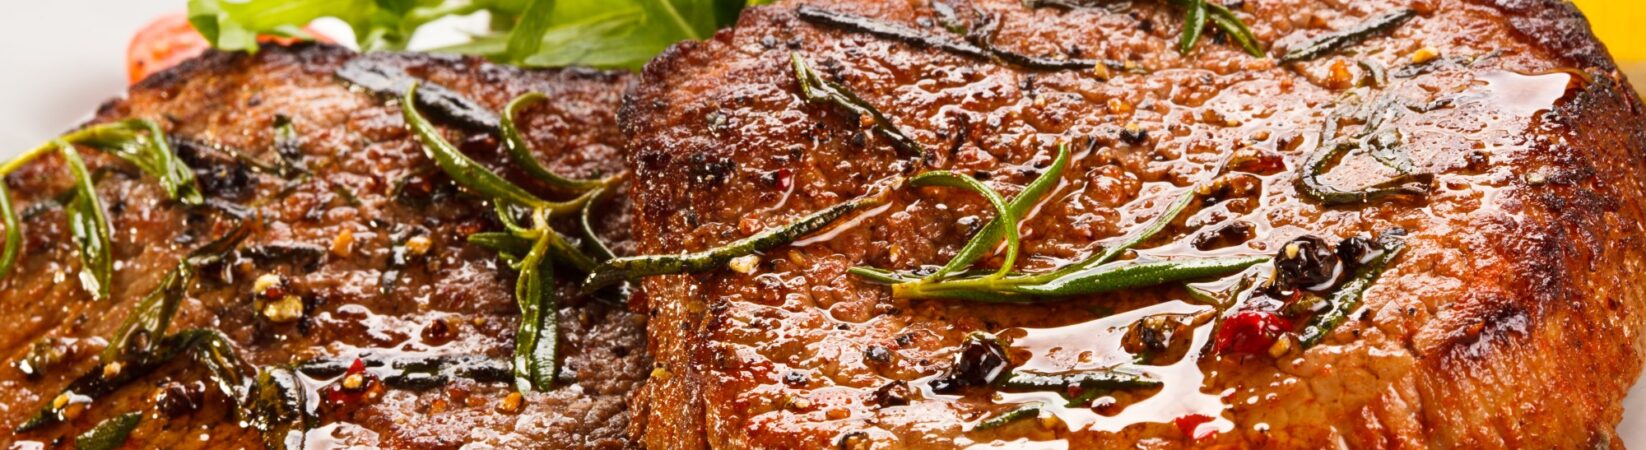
1374 115
1196 15
1084 380
138 346
635 267
1337 40
1234 28
1090 276
1321 161
14 231
280 409
536 342
149 152
1003 214
151 317
535 349
89 225
227 371
110 434
1347 298
818 90
1020 206
138 141
1194 23
519 150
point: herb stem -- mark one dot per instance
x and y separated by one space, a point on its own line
634 267
520 153
89 225
1004 214
14 231
1020 206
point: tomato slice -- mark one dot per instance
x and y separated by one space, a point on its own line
170 40
163 43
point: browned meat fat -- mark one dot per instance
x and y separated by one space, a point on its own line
333 236
1513 319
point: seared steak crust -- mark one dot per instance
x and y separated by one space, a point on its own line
369 181
1513 320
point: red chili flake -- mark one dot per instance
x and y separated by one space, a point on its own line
1251 332
1190 425
355 385
780 179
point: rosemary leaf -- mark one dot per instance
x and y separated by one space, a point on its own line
1194 24
100 380
601 251
818 90
466 172
520 153
1094 280
986 239
1232 27
14 232
1337 40
150 318
1347 298
279 409
1004 214
109 434
1320 162
634 267
89 226
224 367
149 152
538 337
1084 380
1008 417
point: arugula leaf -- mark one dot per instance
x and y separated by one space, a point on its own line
538 33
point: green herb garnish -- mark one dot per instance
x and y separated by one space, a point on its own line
818 90
89 225
109 434
520 153
1084 380
151 317
635 267
138 141
1003 214
1196 15
1337 40
1097 274
536 342
539 33
1382 145
14 231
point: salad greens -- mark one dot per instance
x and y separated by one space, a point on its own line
541 33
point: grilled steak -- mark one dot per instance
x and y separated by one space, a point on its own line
356 224
1513 318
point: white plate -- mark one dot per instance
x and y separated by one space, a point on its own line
65 57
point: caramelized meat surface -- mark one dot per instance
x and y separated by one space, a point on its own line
369 235
1514 317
